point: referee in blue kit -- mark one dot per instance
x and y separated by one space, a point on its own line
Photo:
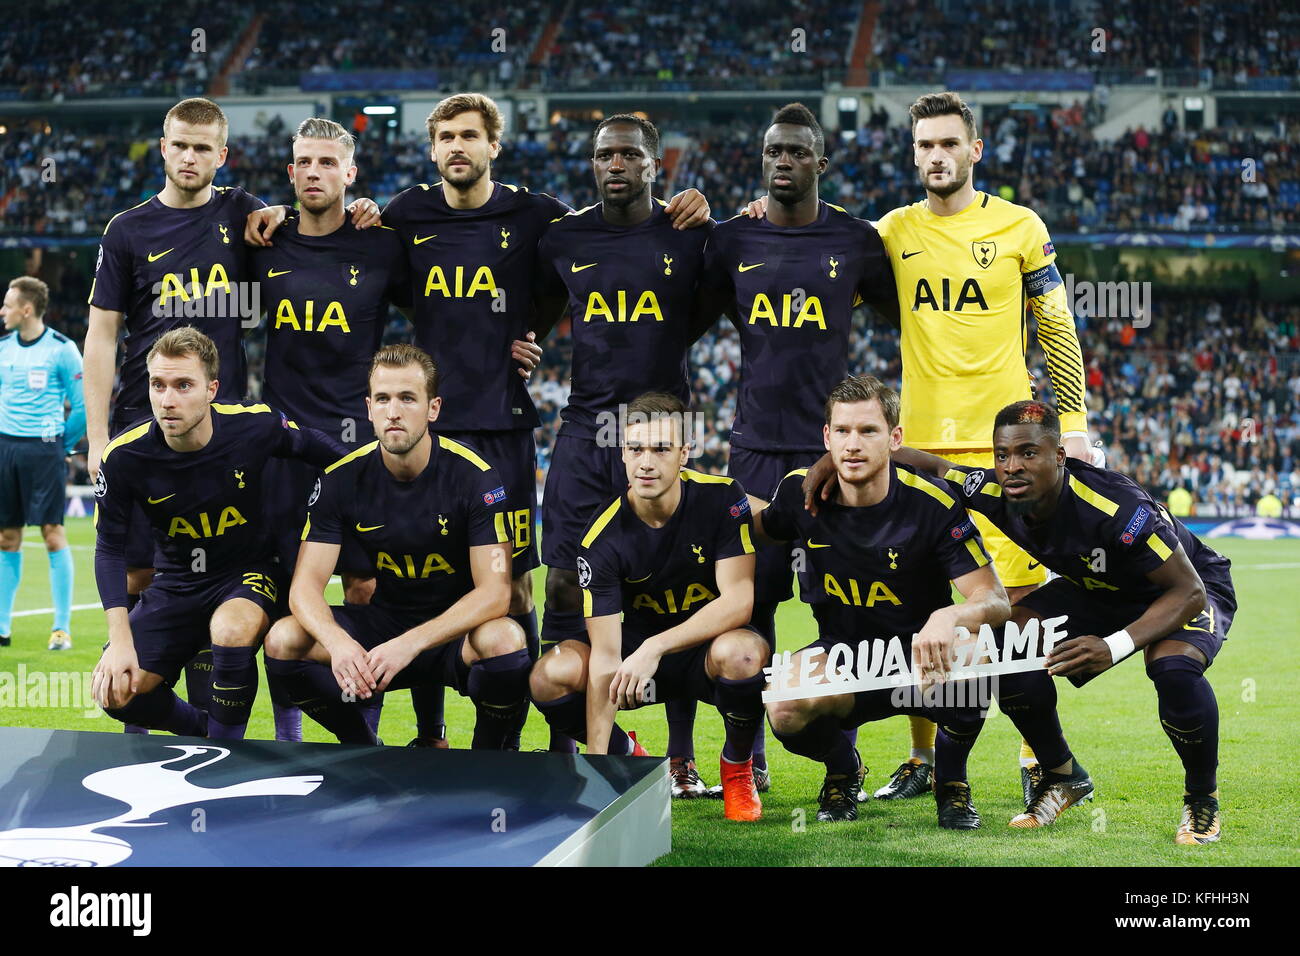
40 369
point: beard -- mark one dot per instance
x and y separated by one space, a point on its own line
400 446
318 202
959 180
1019 508
464 181
197 184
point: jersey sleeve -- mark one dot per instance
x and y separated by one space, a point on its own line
307 444
486 508
977 489
247 203
600 578
549 284
1146 537
70 377
958 542
1056 332
784 515
111 287
399 291
735 522
877 287
112 511
326 507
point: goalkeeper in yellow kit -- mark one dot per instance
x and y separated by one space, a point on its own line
965 263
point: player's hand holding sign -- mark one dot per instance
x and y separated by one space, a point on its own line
1086 655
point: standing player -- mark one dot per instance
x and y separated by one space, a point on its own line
325 285
880 558
1131 578
472 247
628 278
965 263
174 259
790 283
667 572
430 515
39 370
195 469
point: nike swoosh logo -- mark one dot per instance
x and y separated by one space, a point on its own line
271 274
216 686
520 551
155 257
577 268
811 544
1035 564
639 580
744 268
419 239
364 530
158 501
908 255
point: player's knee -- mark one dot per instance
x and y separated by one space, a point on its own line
234 631
287 641
497 637
562 591
557 672
738 654
11 539
789 716
521 594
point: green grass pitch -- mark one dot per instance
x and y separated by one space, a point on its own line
1111 725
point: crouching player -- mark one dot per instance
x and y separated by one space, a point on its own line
195 471
674 557
879 557
1131 578
430 517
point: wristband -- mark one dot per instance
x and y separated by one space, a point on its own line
1120 644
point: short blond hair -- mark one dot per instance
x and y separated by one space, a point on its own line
403 356
320 128
453 106
184 341
36 292
198 111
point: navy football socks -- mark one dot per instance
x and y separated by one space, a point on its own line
234 688
1029 700
741 704
498 686
313 688
1189 715
822 740
161 709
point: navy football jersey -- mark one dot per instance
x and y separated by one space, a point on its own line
326 300
631 292
208 500
659 577
416 535
162 268
792 292
459 259
878 571
1106 534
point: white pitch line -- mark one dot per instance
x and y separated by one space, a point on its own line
74 547
1270 567
50 610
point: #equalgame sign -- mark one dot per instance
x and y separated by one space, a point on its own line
877 664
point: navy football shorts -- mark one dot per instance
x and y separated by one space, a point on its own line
1090 613
682 675
760 472
171 622
371 626
514 456
33 481
583 478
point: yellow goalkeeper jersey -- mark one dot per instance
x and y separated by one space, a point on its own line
963 281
